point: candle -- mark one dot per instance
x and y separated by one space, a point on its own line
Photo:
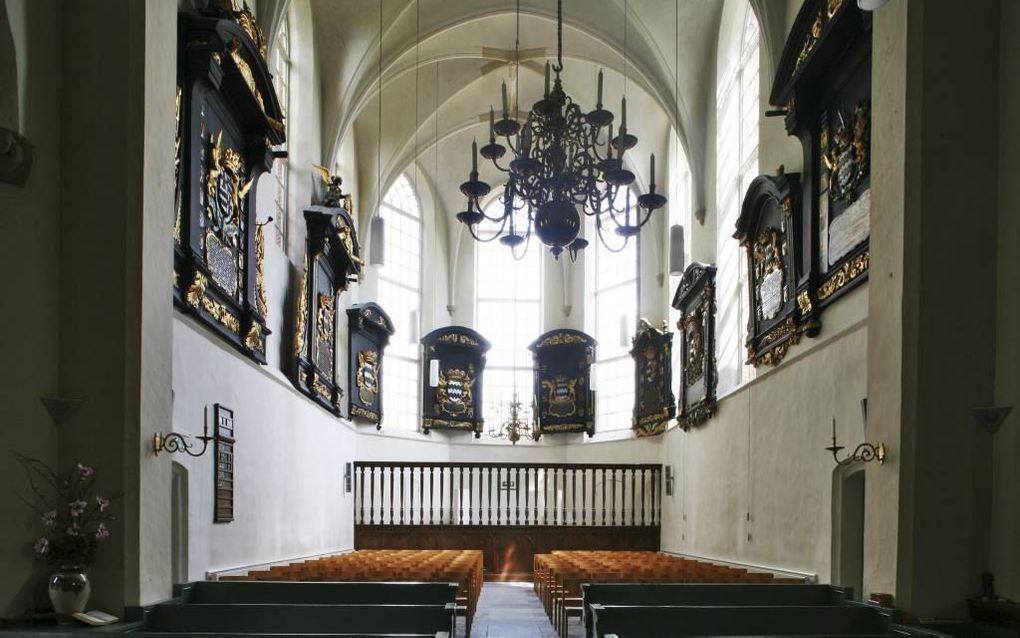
609 140
833 429
505 110
492 125
547 79
651 172
474 156
598 100
623 115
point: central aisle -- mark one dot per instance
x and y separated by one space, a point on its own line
511 610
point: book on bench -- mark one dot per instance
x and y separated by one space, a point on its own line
95 618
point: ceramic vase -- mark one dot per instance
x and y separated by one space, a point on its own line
69 591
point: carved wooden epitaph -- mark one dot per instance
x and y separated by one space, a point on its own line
332 259
223 489
768 228
695 299
654 403
456 402
562 365
369 329
228 120
824 82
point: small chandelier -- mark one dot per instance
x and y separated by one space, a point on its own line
513 428
561 159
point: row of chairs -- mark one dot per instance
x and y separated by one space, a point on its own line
560 574
464 567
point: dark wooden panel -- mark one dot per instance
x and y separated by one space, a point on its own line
508 550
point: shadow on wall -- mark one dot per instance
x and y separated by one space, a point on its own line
9 95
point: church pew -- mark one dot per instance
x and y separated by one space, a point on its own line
698 594
319 593
218 634
298 619
653 621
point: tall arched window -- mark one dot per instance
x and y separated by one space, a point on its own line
281 81
399 293
737 165
508 312
680 206
615 297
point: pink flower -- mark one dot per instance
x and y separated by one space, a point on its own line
103 503
49 518
77 507
102 532
42 546
84 471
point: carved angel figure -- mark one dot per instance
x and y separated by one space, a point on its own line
334 196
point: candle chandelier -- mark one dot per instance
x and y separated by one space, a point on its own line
561 160
514 427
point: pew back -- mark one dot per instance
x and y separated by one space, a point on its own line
319 593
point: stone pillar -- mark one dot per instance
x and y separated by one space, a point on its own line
932 300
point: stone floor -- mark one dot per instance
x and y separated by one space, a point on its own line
511 610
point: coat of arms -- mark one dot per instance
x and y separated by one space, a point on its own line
367 376
561 395
847 158
454 393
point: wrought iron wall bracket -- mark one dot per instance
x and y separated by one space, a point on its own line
173 442
865 453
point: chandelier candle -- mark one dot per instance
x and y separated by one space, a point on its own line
560 164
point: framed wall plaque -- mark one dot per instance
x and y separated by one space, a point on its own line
563 395
654 403
823 81
455 403
695 299
228 119
769 230
369 331
223 488
332 259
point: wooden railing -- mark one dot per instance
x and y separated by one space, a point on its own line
529 494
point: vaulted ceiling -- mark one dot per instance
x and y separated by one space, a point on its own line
443 62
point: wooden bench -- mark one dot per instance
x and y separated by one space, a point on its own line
300 619
698 594
791 620
318 593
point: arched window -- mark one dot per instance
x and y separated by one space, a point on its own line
508 312
615 302
680 205
281 80
399 293
737 165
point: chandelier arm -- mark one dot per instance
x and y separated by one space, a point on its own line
559 37
495 235
602 240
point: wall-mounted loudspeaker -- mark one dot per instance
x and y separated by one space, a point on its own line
377 242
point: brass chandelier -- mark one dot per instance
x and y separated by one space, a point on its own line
514 427
561 160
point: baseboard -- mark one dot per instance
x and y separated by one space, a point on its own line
807 576
243 569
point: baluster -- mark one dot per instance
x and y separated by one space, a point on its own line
527 485
359 480
393 498
401 494
657 496
471 492
604 486
584 496
534 506
371 495
545 495
643 483
499 495
460 497
410 496
573 496
613 500
489 479
507 490
517 496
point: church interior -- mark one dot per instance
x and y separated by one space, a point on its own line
510 317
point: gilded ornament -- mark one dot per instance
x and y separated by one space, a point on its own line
456 338
847 161
804 301
320 389
561 396
245 70
811 39
254 338
324 319
260 274
197 290
455 391
834 7
367 376
847 273
694 356
357 410
562 338
301 320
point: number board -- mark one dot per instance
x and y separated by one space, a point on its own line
224 487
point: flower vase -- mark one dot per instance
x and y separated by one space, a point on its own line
69 591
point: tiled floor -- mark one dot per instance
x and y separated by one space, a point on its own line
511 610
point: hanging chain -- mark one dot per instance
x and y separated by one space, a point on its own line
559 37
